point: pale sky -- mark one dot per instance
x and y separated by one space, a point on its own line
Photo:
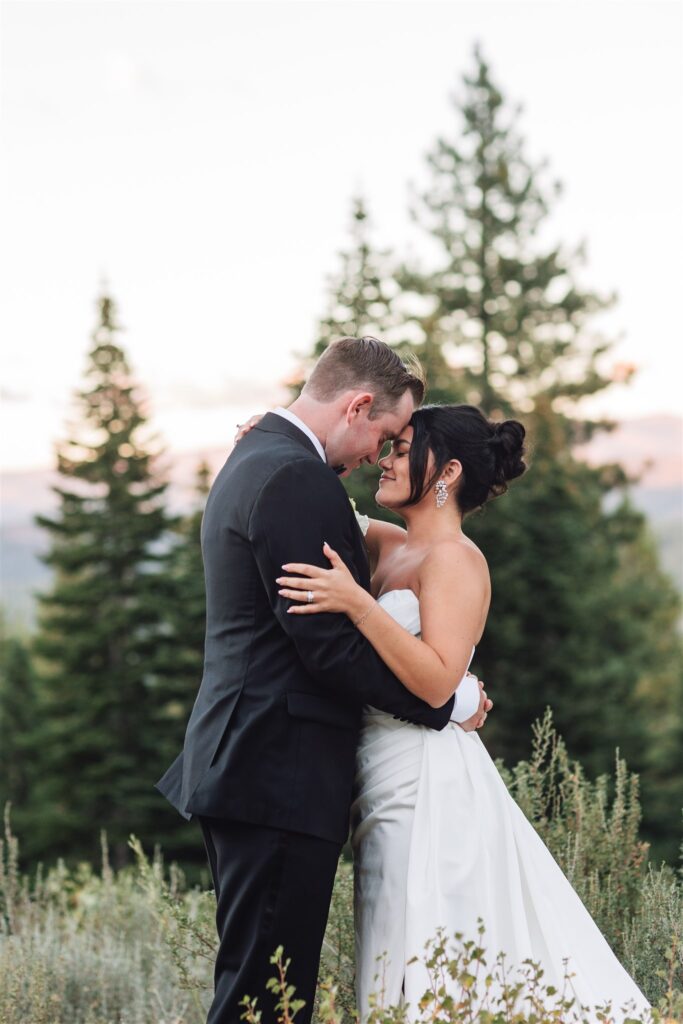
202 157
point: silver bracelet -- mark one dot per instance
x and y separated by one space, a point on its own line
361 620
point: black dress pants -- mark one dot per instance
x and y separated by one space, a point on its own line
273 888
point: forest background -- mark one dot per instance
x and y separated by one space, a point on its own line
93 702
103 605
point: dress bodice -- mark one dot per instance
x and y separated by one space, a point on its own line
404 606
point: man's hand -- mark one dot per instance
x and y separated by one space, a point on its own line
479 717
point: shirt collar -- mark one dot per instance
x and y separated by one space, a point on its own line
293 418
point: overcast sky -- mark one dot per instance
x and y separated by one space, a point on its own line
202 157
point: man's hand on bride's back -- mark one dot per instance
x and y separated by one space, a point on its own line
244 428
479 717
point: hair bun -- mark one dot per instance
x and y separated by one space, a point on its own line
508 444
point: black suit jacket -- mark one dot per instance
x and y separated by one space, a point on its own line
272 736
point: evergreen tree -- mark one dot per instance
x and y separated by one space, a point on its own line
181 654
506 314
582 620
646 624
100 626
362 300
362 294
18 727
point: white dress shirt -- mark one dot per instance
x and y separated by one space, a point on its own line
293 418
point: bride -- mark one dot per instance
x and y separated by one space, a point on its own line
438 841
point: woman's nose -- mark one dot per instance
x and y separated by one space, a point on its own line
385 462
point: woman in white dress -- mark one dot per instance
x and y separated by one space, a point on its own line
438 841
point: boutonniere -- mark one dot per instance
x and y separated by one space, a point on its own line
363 521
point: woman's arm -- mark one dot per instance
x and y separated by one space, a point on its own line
454 595
380 537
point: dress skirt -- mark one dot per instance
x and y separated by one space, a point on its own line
439 843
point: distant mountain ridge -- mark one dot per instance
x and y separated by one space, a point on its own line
649 448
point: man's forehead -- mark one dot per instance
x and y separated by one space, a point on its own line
399 421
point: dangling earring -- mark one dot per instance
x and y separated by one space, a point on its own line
441 493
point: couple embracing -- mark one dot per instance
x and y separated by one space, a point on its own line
336 691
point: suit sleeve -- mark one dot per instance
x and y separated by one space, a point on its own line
302 505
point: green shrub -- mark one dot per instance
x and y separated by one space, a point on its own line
591 828
137 946
82 948
464 987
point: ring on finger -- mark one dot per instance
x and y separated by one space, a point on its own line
309 597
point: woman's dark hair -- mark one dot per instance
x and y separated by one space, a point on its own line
490 453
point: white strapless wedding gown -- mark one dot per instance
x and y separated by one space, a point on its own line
438 843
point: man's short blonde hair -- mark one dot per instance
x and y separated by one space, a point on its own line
350 363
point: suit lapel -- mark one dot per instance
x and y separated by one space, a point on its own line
274 424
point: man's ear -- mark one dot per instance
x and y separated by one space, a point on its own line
360 403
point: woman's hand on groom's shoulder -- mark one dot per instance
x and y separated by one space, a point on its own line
244 428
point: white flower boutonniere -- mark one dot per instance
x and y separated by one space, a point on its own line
363 521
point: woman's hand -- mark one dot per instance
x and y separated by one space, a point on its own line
244 428
323 590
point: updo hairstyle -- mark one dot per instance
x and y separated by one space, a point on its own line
490 453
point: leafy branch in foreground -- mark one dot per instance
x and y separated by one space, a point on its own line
187 933
463 987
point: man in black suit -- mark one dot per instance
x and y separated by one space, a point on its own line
268 760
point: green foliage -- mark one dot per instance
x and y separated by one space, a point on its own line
180 658
362 294
98 739
18 710
137 945
78 947
463 986
591 828
339 953
507 315
583 620
652 942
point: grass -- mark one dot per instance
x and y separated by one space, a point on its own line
137 946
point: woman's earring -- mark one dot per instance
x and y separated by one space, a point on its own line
441 493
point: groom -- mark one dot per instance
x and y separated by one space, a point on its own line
268 762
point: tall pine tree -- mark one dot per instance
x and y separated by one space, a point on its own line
362 300
506 313
18 727
101 748
181 656
583 618
362 294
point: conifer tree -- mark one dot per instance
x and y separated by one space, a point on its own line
582 620
506 312
19 726
362 300
362 294
181 655
101 624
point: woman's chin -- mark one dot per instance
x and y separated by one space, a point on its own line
383 499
